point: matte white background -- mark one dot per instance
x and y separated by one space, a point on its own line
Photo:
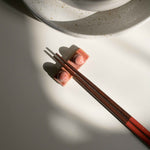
37 113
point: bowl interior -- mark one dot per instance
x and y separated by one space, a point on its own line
96 5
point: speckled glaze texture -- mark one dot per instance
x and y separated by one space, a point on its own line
84 23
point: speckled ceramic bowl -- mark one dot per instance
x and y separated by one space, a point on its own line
77 22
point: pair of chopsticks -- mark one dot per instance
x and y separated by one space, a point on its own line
126 119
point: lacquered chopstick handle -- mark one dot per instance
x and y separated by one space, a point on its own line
141 132
138 125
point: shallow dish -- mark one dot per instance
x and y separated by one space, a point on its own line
82 23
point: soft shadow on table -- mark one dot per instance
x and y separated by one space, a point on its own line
131 49
20 6
28 118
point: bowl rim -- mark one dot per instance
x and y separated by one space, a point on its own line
65 31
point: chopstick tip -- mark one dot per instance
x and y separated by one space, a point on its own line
50 51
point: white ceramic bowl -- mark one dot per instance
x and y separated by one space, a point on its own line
77 22
96 5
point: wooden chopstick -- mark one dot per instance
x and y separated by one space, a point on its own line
114 104
93 93
118 108
142 133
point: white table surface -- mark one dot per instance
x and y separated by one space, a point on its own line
37 113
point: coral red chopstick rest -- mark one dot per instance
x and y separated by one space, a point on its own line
76 60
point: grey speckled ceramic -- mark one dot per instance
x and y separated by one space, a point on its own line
77 22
